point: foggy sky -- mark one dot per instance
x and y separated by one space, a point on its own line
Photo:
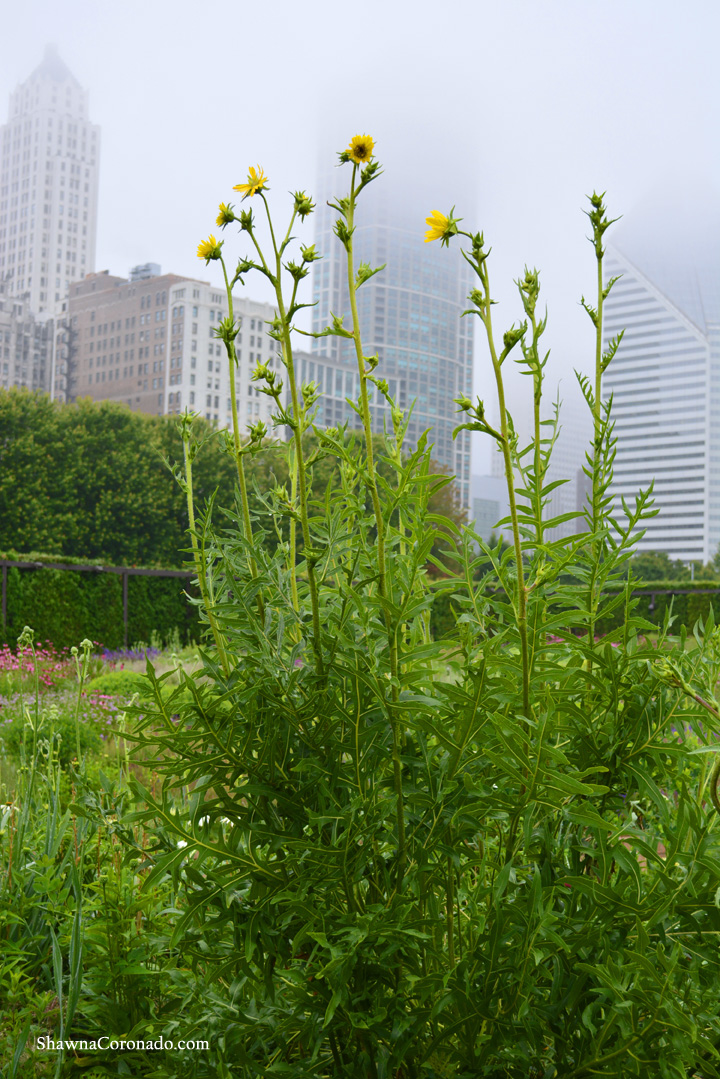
521 108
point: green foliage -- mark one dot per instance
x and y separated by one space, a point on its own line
658 566
89 480
65 606
56 731
116 683
493 854
85 952
159 605
365 851
684 602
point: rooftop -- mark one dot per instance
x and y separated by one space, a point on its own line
675 243
53 68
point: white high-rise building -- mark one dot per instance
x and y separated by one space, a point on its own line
665 380
49 153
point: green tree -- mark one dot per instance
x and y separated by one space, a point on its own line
658 566
89 480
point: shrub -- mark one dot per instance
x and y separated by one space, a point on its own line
116 684
489 855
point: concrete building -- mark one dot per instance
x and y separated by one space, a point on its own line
665 379
410 314
49 156
25 345
149 342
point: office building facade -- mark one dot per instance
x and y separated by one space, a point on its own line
665 385
49 157
149 342
25 345
410 316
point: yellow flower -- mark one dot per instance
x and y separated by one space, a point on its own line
441 227
209 249
438 226
360 149
257 181
225 216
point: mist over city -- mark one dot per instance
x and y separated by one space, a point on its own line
511 114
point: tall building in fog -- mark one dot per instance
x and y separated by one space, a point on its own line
665 379
410 315
49 154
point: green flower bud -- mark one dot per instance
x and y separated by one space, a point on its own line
303 205
257 432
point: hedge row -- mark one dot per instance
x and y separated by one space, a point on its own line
687 602
65 606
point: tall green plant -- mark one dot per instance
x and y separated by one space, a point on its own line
486 855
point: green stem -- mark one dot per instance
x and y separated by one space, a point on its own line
510 482
597 450
82 674
297 430
199 562
244 501
450 910
293 534
537 398
540 605
380 526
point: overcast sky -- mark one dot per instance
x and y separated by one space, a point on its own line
521 107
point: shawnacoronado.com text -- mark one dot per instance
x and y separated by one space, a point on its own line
88 1046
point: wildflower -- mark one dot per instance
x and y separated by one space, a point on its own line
360 149
256 181
225 216
209 249
441 227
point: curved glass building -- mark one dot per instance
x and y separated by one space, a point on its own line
665 378
410 315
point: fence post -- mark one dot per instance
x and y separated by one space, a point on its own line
125 607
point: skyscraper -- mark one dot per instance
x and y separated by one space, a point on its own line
665 378
49 153
410 314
